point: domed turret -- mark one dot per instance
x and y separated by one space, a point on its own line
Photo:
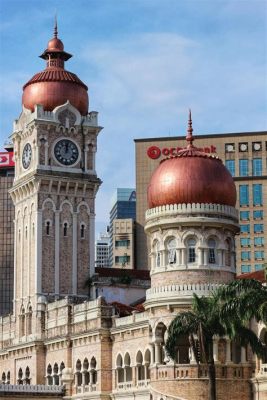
191 177
54 86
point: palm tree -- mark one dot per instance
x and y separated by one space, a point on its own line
201 325
244 299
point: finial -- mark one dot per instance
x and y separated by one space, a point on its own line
190 138
55 27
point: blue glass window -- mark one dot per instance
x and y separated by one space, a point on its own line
258 214
257 166
259 255
258 241
230 165
245 242
258 228
243 167
245 268
243 195
245 255
257 194
244 215
245 228
258 267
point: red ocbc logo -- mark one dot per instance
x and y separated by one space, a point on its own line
155 152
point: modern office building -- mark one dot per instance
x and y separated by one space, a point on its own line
102 246
245 156
123 206
6 232
123 243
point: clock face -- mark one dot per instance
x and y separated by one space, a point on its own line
26 155
66 152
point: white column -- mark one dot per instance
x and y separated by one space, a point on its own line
243 355
157 353
15 265
215 349
92 245
183 256
38 251
29 254
22 255
152 353
205 256
220 257
46 153
228 351
93 158
200 256
85 158
57 244
74 253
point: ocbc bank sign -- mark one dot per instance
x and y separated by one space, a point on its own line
155 152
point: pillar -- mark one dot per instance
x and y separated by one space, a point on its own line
215 349
157 353
57 244
228 351
74 254
243 355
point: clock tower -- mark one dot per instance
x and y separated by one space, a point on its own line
55 141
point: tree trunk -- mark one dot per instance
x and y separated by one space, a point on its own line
212 380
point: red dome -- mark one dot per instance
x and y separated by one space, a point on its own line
55 86
55 44
191 177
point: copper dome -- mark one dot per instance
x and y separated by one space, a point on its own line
191 177
55 86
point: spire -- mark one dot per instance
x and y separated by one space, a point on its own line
190 138
55 27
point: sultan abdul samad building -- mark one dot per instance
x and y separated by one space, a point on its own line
57 343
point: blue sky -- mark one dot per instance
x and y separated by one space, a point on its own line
145 62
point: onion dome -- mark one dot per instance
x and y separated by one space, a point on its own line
55 86
191 176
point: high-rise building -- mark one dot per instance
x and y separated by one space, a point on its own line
123 243
245 156
123 206
102 246
6 232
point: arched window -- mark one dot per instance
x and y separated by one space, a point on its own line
82 231
47 228
55 374
20 376
78 373
8 377
26 232
86 372
157 254
147 359
120 372
93 370
212 247
49 377
228 252
171 248
191 243
27 376
128 368
3 377
65 229
140 366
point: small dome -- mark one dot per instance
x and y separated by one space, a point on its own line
55 44
191 177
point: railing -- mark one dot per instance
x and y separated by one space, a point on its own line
125 386
130 319
92 387
180 291
191 208
31 389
